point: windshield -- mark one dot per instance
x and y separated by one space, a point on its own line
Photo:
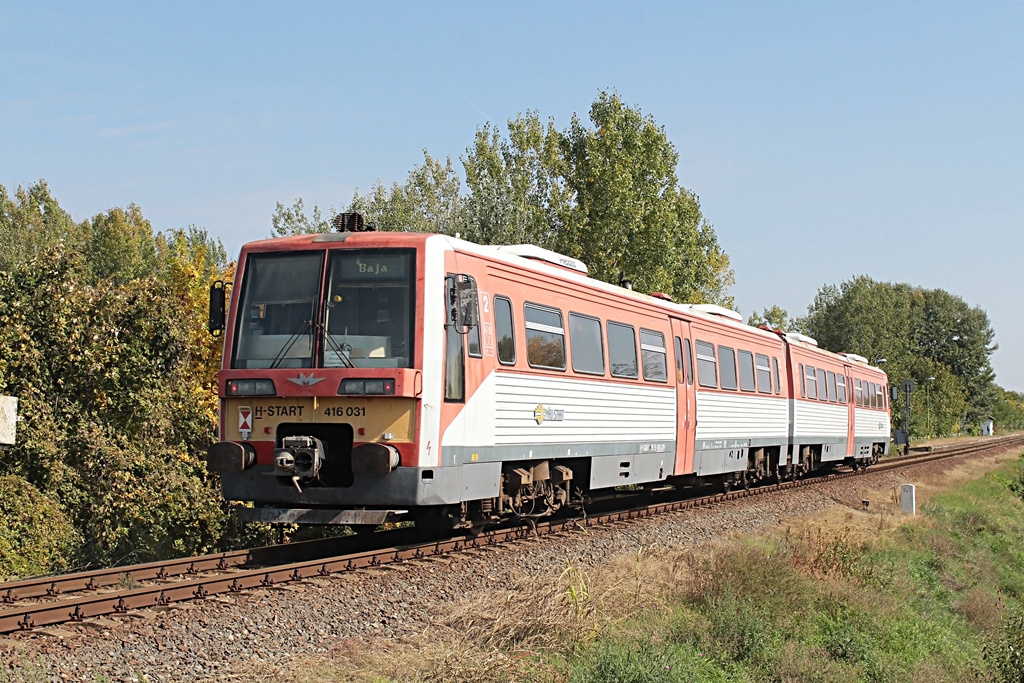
369 317
280 298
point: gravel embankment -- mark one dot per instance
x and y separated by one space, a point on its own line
202 640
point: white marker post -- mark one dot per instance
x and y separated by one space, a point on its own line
908 499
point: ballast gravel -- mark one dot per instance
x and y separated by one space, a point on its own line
204 640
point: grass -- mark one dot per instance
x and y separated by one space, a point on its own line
854 596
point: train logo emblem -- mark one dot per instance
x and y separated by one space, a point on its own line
540 414
306 380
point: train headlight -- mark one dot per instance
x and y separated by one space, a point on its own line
251 387
367 386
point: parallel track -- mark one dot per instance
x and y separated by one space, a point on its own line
182 580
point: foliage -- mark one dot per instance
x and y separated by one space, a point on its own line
36 536
1008 411
630 216
930 336
605 193
428 202
104 344
777 318
293 220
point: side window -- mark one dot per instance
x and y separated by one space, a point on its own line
689 364
707 366
586 344
727 367
803 382
747 382
841 388
622 350
874 395
822 393
454 361
503 327
764 375
653 355
545 337
775 367
832 397
680 376
885 396
812 383
858 392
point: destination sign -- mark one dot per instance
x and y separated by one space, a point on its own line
375 267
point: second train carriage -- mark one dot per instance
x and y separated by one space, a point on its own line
370 377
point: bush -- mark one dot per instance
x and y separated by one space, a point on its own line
36 536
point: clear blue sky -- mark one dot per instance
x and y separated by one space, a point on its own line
825 140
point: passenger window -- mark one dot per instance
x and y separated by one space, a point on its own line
822 389
803 382
545 337
764 375
747 382
586 344
832 387
841 388
680 377
707 366
689 364
812 383
727 365
858 392
653 355
622 350
775 367
503 327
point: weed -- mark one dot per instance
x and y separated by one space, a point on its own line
743 629
126 582
1005 655
823 553
581 607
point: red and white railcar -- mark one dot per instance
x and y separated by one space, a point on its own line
373 376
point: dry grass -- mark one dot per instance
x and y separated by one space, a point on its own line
529 630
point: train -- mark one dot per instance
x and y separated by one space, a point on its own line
375 377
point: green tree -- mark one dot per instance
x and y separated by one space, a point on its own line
429 201
120 245
921 334
292 220
30 221
518 194
777 318
605 193
630 216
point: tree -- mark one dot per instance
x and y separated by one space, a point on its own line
777 318
120 245
921 334
429 201
607 195
518 194
32 221
630 217
293 220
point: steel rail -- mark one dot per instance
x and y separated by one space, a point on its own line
28 617
44 587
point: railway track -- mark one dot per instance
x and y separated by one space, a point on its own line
35 603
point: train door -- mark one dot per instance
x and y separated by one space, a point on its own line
851 414
686 407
